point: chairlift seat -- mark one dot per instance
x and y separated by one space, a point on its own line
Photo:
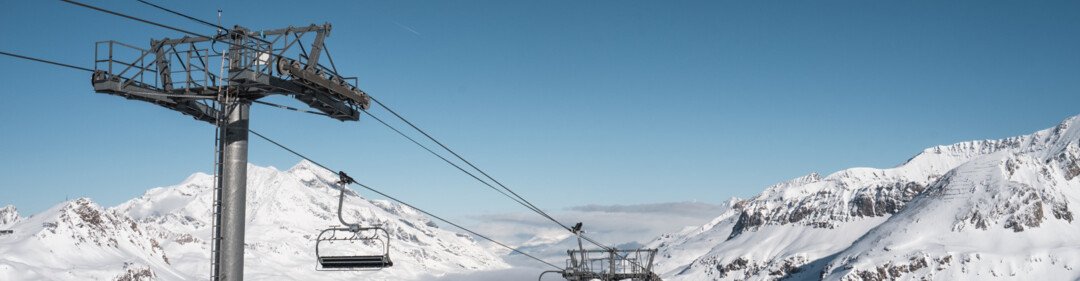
351 261
343 262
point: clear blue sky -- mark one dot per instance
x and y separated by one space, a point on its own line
569 102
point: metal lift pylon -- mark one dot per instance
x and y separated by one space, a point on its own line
178 74
608 264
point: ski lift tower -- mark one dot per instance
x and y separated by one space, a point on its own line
610 265
607 264
215 79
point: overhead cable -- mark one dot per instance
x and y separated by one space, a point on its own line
134 18
183 15
522 199
294 152
46 61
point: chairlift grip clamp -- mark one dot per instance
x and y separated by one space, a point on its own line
344 179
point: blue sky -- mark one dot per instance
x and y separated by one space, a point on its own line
568 102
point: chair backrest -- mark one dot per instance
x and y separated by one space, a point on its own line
344 258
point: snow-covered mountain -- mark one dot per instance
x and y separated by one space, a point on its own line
164 234
969 211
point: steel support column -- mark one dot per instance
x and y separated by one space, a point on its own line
253 61
234 192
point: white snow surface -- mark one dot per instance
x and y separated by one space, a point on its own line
978 210
164 234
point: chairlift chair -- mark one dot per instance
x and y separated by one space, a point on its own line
339 260
351 234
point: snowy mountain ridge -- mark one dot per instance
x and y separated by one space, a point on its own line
815 227
164 234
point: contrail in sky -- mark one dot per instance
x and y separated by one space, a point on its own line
407 28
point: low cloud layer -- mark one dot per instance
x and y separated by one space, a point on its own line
612 224
516 273
689 209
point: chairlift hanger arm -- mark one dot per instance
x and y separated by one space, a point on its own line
342 183
345 179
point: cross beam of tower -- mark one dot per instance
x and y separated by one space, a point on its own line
215 79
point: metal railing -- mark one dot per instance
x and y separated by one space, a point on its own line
129 69
189 68
611 262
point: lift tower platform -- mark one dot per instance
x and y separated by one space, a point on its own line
215 80
607 263
610 265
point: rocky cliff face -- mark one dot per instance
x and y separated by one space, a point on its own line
817 227
78 240
165 234
8 215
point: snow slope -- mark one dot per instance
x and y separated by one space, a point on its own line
838 225
1003 216
164 234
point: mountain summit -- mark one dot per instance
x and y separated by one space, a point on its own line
974 210
164 234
